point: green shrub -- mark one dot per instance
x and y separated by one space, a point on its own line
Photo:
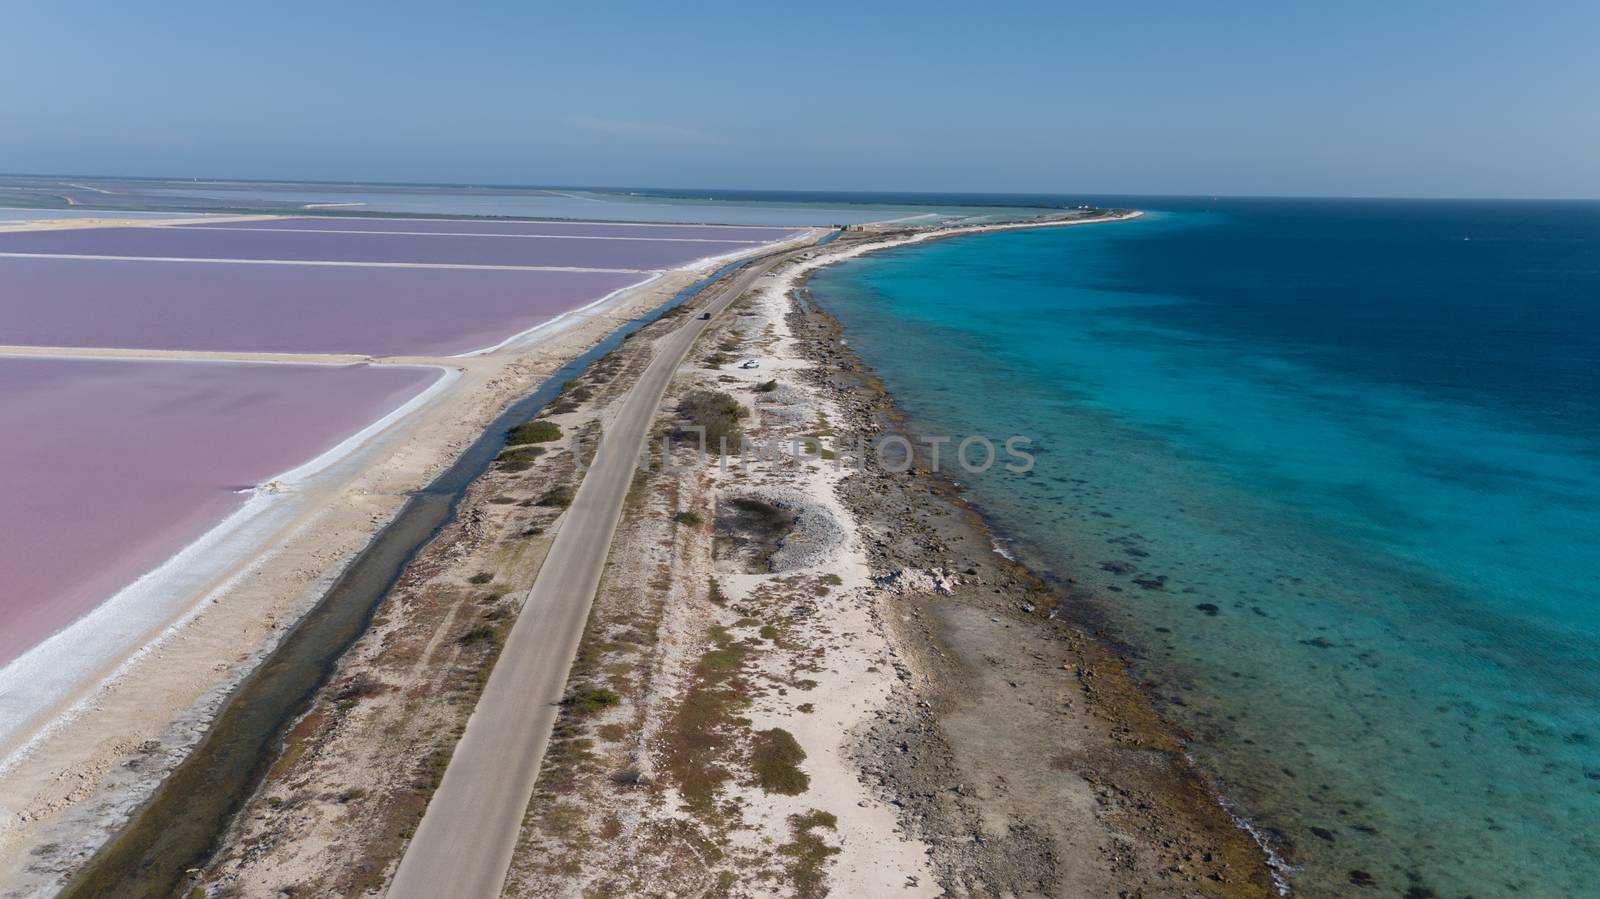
358 689
481 633
592 699
716 412
775 758
520 458
559 496
539 431
809 854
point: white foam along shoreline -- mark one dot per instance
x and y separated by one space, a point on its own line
49 685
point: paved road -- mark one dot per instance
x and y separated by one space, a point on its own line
463 847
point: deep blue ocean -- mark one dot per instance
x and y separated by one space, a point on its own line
1331 471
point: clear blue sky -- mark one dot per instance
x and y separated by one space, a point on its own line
1377 99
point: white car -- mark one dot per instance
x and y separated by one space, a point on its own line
750 363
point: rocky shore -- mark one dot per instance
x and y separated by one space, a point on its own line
1018 748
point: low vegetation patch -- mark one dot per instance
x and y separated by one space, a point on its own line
717 413
809 853
559 497
482 633
520 458
540 431
688 517
775 757
812 446
359 688
592 699
701 728
573 395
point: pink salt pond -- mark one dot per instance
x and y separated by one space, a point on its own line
279 308
108 468
630 230
428 248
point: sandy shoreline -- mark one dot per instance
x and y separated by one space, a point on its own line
1148 820
1174 831
66 783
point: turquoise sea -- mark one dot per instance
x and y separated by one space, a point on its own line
1330 472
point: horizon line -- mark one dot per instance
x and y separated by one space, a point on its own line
675 192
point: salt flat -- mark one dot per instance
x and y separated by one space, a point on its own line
363 247
147 304
122 463
645 231
153 568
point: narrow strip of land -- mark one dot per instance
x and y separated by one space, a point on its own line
468 835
